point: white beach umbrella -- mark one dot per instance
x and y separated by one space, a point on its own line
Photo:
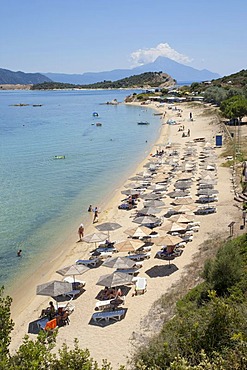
108 226
73 270
95 238
115 279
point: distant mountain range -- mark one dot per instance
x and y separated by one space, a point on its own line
8 77
180 72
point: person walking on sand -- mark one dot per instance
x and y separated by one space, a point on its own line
96 215
81 232
191 117
188 134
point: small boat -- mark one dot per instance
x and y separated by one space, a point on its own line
95 114
98 124
37 105
59 157
143 123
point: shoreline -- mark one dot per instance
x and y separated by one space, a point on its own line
115 339
55 256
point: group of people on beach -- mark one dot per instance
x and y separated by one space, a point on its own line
95 219
96 213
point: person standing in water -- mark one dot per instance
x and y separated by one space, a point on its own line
81 232
96 215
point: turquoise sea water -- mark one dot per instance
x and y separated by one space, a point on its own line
42 199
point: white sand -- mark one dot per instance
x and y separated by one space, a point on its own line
113 341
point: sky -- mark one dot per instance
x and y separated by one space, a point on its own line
77 36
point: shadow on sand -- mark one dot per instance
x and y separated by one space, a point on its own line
161 270
104 323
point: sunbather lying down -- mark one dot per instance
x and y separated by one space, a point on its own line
62 317
109 293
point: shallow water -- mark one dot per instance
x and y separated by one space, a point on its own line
42 198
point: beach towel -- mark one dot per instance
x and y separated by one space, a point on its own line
50 325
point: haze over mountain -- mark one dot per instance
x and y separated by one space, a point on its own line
8 77
178 71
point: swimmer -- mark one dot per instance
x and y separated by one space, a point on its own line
19 252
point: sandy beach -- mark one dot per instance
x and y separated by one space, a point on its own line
113 342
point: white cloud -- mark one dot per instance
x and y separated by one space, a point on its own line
144 56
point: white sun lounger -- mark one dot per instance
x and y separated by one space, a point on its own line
72 293
93 262
70 279
101 305
140 257
140 285
107 315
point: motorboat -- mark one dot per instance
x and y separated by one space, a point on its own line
143 123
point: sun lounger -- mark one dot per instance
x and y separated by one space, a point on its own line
93 262
102 305
72 294
140 285
69 307
139 257
131 271
70 279
107 315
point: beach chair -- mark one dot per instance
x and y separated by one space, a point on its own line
93 262
131 271
108 315
102 305
72 294
77 283
69 307
140 286
140 256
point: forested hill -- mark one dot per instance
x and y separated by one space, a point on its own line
8 77
144 80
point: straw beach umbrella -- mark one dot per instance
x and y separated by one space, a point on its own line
181 201
129 245
184 208
182 218
168 240
173 227
138 232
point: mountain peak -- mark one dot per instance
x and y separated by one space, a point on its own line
180 72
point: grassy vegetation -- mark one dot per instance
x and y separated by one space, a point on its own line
209 328
151 79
